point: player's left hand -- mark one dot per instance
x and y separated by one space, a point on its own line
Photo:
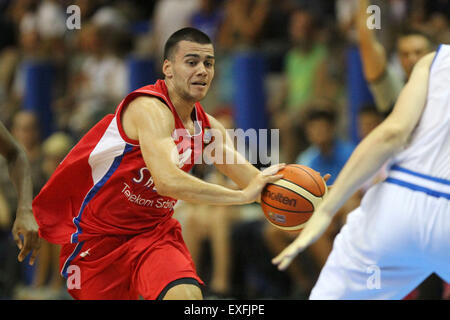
315 227
26 225
269 172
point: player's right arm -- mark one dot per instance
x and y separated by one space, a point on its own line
20 172
150 122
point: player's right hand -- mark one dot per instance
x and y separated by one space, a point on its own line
252 193
25 225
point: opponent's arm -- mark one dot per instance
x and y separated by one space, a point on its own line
20 174
154 124
373 55
382 143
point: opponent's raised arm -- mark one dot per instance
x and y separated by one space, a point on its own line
153 124
373 54
382 143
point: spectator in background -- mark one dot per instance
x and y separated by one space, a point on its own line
240 31
431 17
243 24
383 83
303 60
50 19
302 64
98 81
41 31
327 153
25 129
438 27
29 47
368 119
169 16
208 18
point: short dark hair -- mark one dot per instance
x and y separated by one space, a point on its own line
187 34
407 31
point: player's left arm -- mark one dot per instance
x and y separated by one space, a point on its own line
368 157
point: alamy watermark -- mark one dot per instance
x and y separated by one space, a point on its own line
374 280
234 146
374 20
73 277
73 21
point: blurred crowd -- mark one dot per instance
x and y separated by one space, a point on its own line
305 46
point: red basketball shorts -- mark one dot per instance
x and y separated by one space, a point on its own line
126 267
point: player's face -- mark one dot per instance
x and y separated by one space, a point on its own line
410 50
191 69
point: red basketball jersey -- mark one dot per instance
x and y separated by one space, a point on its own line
103 187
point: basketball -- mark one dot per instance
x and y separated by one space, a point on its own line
290 202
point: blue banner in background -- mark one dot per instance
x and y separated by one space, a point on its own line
249 101
38 97
358 90
141 72
249 92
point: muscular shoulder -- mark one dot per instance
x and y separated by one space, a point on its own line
147 113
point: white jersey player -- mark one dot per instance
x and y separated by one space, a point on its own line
401 232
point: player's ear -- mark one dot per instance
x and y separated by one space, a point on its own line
167 68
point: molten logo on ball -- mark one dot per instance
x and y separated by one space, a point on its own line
289 202
280 198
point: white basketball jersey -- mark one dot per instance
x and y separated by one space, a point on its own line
428 151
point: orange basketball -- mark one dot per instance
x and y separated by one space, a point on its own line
289 203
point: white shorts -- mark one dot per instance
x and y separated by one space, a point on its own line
389 245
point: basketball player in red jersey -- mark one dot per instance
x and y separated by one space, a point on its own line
110 202
19 171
